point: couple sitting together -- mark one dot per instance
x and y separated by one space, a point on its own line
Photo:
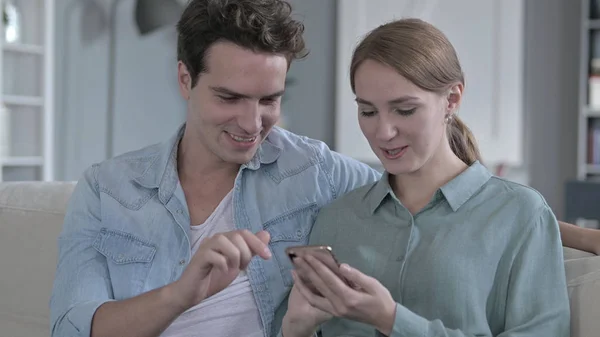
189 237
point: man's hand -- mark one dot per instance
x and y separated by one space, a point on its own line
216 263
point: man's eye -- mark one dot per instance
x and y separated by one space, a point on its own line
228 99
268 101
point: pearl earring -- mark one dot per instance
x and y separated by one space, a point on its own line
448 119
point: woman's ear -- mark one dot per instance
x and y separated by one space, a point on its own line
454 96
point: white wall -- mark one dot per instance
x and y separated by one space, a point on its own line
147 105
488 37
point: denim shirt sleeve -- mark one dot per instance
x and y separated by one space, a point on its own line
345 173
537 302
81 281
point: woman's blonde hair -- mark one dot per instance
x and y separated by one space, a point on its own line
423 55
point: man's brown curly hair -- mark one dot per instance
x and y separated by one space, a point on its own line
258 25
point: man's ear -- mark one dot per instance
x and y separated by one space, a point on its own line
454 96
184 79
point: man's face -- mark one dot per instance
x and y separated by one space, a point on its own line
235 103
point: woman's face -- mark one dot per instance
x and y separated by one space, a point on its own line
405 125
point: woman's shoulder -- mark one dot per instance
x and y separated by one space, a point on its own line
524 204
527 196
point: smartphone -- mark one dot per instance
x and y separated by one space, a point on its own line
323 254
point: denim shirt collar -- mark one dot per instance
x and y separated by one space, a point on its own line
160 170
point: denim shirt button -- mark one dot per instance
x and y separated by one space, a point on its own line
299 233
181 262
120 257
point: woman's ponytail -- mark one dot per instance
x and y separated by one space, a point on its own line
462 141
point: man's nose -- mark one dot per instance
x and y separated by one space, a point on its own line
251 121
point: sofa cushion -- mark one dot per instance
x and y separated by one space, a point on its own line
31 217
583 283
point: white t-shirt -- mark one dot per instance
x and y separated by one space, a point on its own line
231 312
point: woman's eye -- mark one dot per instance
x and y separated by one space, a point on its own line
367 113
405 112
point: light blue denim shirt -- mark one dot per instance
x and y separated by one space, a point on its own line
125 233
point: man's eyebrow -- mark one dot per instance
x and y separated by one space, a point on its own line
398 100
275 94
223 90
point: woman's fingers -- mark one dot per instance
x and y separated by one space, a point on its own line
316 301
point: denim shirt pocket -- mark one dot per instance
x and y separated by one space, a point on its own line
291 228
128 261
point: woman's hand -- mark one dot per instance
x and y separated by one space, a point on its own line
301 318
368 301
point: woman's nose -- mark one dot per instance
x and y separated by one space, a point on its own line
386 130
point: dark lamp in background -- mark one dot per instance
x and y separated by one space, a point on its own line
153 14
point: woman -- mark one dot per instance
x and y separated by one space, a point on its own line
437 247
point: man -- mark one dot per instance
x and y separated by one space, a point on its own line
162 240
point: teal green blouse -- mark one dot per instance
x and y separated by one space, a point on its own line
483 258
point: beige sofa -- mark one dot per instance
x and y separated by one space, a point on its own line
31 216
